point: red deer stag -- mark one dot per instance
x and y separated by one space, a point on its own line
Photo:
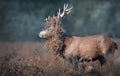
75 49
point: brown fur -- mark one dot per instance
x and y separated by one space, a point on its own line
56 42
89 47
73 48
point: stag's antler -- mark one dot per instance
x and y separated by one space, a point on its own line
66 10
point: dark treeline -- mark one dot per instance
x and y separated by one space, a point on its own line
22 20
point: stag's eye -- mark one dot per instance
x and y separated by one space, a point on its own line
50 29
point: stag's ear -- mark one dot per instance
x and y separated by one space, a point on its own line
48 19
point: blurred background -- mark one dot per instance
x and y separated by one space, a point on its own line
23 53
22 20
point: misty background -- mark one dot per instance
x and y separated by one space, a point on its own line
22 20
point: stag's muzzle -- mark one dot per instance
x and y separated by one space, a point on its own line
42 34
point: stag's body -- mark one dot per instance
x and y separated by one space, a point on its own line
75 49
89 47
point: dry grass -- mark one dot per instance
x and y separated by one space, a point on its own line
32 59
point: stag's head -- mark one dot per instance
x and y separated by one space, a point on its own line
53 23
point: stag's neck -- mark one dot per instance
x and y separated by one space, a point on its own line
56 44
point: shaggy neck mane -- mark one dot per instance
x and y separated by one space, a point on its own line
56 42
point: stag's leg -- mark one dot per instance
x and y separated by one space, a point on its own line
102 61
110 65
69 59
74 63
83 59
